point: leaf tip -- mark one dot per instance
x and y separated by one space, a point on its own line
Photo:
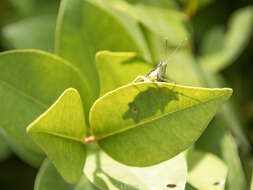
102 52
228 92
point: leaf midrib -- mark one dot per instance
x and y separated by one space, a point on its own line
76 139
152 119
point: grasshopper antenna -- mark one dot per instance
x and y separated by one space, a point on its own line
166 48
177 48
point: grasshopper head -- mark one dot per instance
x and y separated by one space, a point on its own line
161 70
163 66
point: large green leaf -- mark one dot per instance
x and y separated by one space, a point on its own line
158 120
108 174
87 26
117 69
206 171
60 132
49 179
30 81
36 32
236 38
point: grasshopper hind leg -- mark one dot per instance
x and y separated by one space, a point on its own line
142 78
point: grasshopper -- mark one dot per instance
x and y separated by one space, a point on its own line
158 74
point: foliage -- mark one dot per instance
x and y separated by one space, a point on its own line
67 96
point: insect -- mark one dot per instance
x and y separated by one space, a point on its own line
158 74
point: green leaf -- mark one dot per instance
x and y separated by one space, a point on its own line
236 178
206 171
157 24
49 179
4 148
32 158
227 114
197 3
30 81
251 182
236 38
167 24
36 32
60 132
108 174
158 120
82 29
35 7
190 75
118 64
189 187
112 69
225 148
214 41
156 3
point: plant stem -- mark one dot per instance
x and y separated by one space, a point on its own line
89 139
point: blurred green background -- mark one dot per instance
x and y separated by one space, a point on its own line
24 23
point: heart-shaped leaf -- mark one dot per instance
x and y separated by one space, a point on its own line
60 132
117 65
30 81
147 123
108 174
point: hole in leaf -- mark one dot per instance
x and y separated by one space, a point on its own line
221 182
134 109
171 185
216 183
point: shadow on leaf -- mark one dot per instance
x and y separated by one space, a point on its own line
147 103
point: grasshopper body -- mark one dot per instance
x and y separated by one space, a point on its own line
158 74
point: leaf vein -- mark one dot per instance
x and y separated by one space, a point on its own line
152 119
24 94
